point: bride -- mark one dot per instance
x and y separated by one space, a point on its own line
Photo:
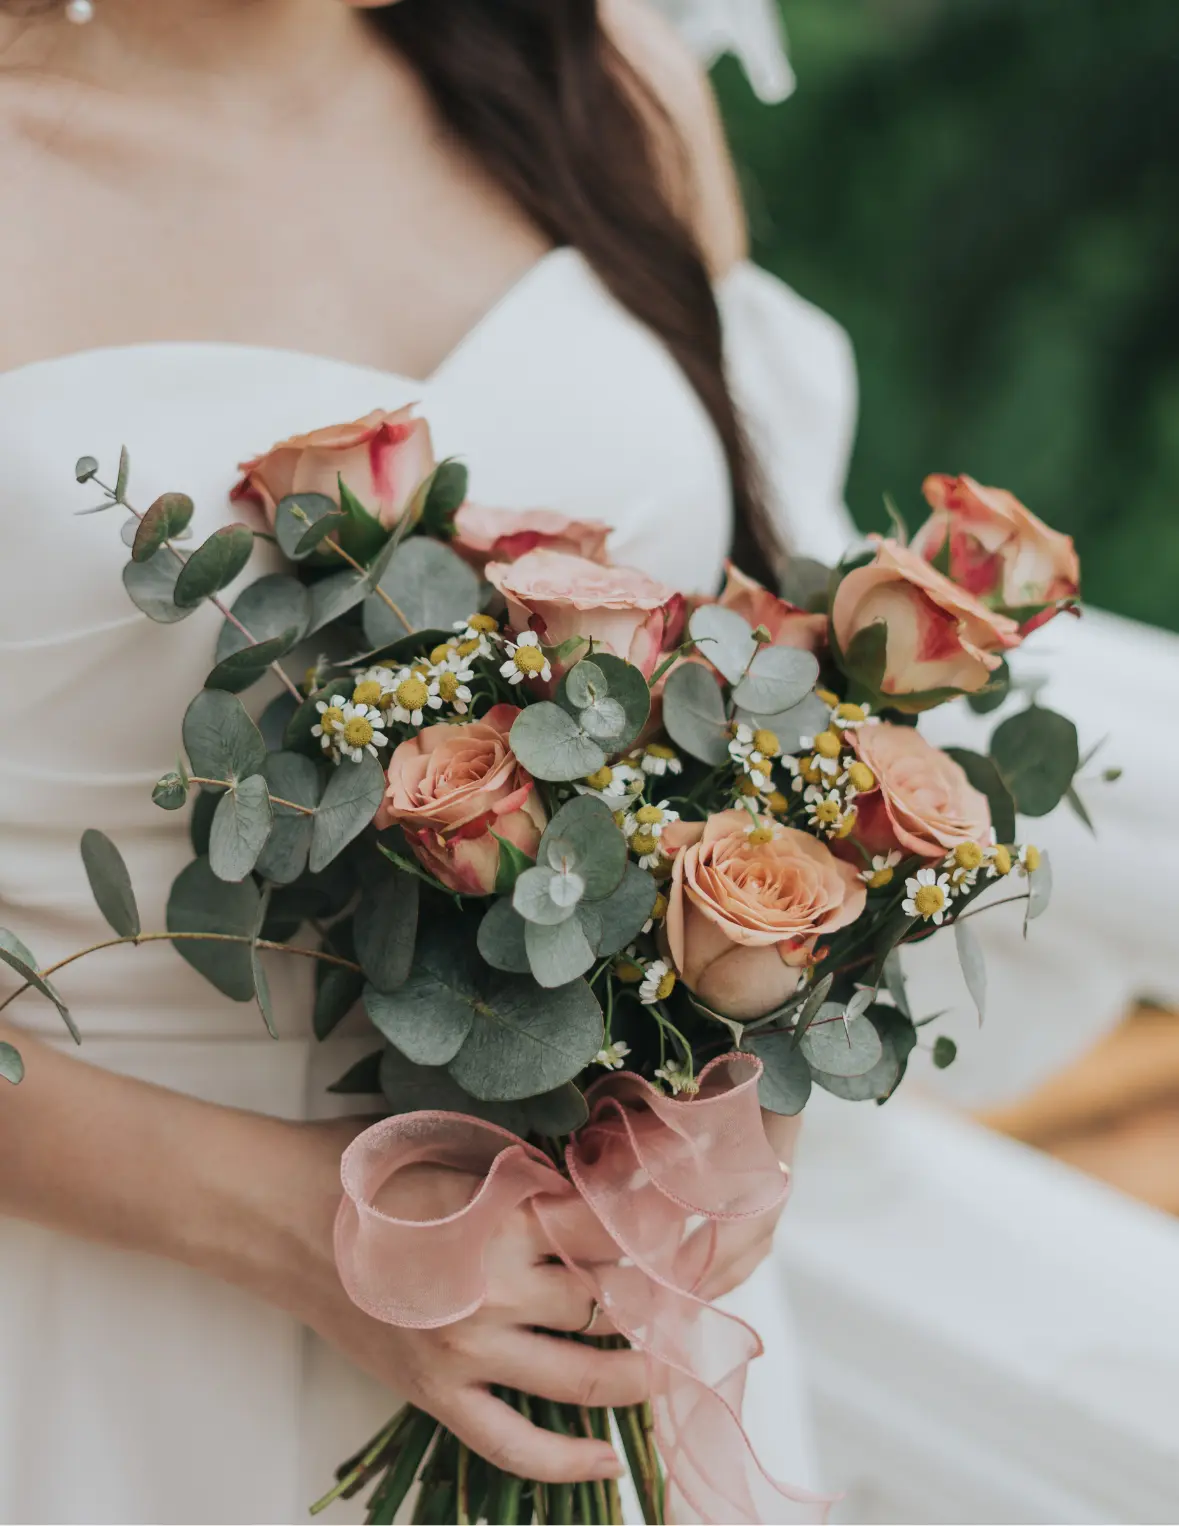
521 214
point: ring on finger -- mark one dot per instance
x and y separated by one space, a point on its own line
589 1324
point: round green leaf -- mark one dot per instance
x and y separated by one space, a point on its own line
805 719
724 639
385 932
85 468
779 678
349 803
167 517
202 903
334 596
110 883
12 1067
841 1048
296 779
694 714
545 898
625 912
430 584
556 1113
785 1085
985 778
268 608
558 954
501 939
552 746
213 565
585 683
240 828
611 702
151 587
246 667
1037 754
297 515
170 793
897 1038
583 837
426 1020
220 739
525 1040
996 691
945 1052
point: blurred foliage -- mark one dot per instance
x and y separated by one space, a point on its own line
986 194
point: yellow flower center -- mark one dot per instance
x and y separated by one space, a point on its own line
630 974
659 910
666 987
809 771
746 786
358 732
827 697
332 718
1031 858
851 713
441 653
760 836
529 659
468 648
644 843
649 815
929 900
412 693
861 777
483 623
448 685
1002 860
602 780
828 745
968 855
766 743
848 824
657 750
367 693
421 667
777 803
827 812
880 879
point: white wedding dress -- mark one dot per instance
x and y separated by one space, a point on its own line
131 1389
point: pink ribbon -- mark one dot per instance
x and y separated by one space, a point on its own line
650 1168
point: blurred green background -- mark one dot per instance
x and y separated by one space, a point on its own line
986 194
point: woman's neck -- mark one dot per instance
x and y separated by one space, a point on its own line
156 47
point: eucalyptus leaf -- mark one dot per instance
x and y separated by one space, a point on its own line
430 584
258 969
945 1052
551 745
779 678
268 608
840 1048
897 1038
544 898
585 683
1039 890
995 693
275 719
28 973
1037 755
201 903
334 596
974 965
894 980
292 778
12 1067
213 565
200 822
805 583
410 1088
349 803
442 496
362 1079
1079 808
299 513
123 475
558 954
168 516
583 836
337 991
385 929
425 1020
984 776
625 911
556 1113
501 939
110 883
526 1041
785 1085
805 719
220 739
151 587
240 828
811 1007
245 668
85 468
694 714
724 639
170 793
612 707
866 657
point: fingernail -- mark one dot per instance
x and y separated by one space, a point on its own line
610 1467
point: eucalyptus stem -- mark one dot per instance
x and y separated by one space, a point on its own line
292 805
380 592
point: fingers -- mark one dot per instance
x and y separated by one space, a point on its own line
553 1298
567 1371
510 1442
580 1234
744 1248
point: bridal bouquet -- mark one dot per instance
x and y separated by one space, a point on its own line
608 868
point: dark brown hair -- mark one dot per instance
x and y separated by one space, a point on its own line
536 91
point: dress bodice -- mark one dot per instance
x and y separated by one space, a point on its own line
558 398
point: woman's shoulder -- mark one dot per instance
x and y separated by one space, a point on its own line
696 159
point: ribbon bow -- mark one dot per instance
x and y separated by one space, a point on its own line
649 1167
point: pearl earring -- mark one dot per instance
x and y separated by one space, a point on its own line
79 11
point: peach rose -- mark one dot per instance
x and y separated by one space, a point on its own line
923 802
744 917
999 551
505 535
561 597
451 787
383 458
787 624
939 635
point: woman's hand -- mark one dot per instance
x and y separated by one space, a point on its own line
449 1372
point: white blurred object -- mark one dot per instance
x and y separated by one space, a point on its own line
749 29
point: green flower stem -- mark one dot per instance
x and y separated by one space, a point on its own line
291 805
596 1426
335 546
585 1505
561 1495
463 1487
266 943
639 1456
419 1432
356 1472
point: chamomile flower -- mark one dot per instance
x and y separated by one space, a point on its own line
1030 859
826 751
679 1080
742 743
998 862
805 771
331 718
658 982
963 864
476 635
658 912
454 679
761 831
845 717
413 694
927 895
612 784
754 751
373 687
881 872
658 760
644 832
856 777
613 1057
360 732
826 810
526 659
